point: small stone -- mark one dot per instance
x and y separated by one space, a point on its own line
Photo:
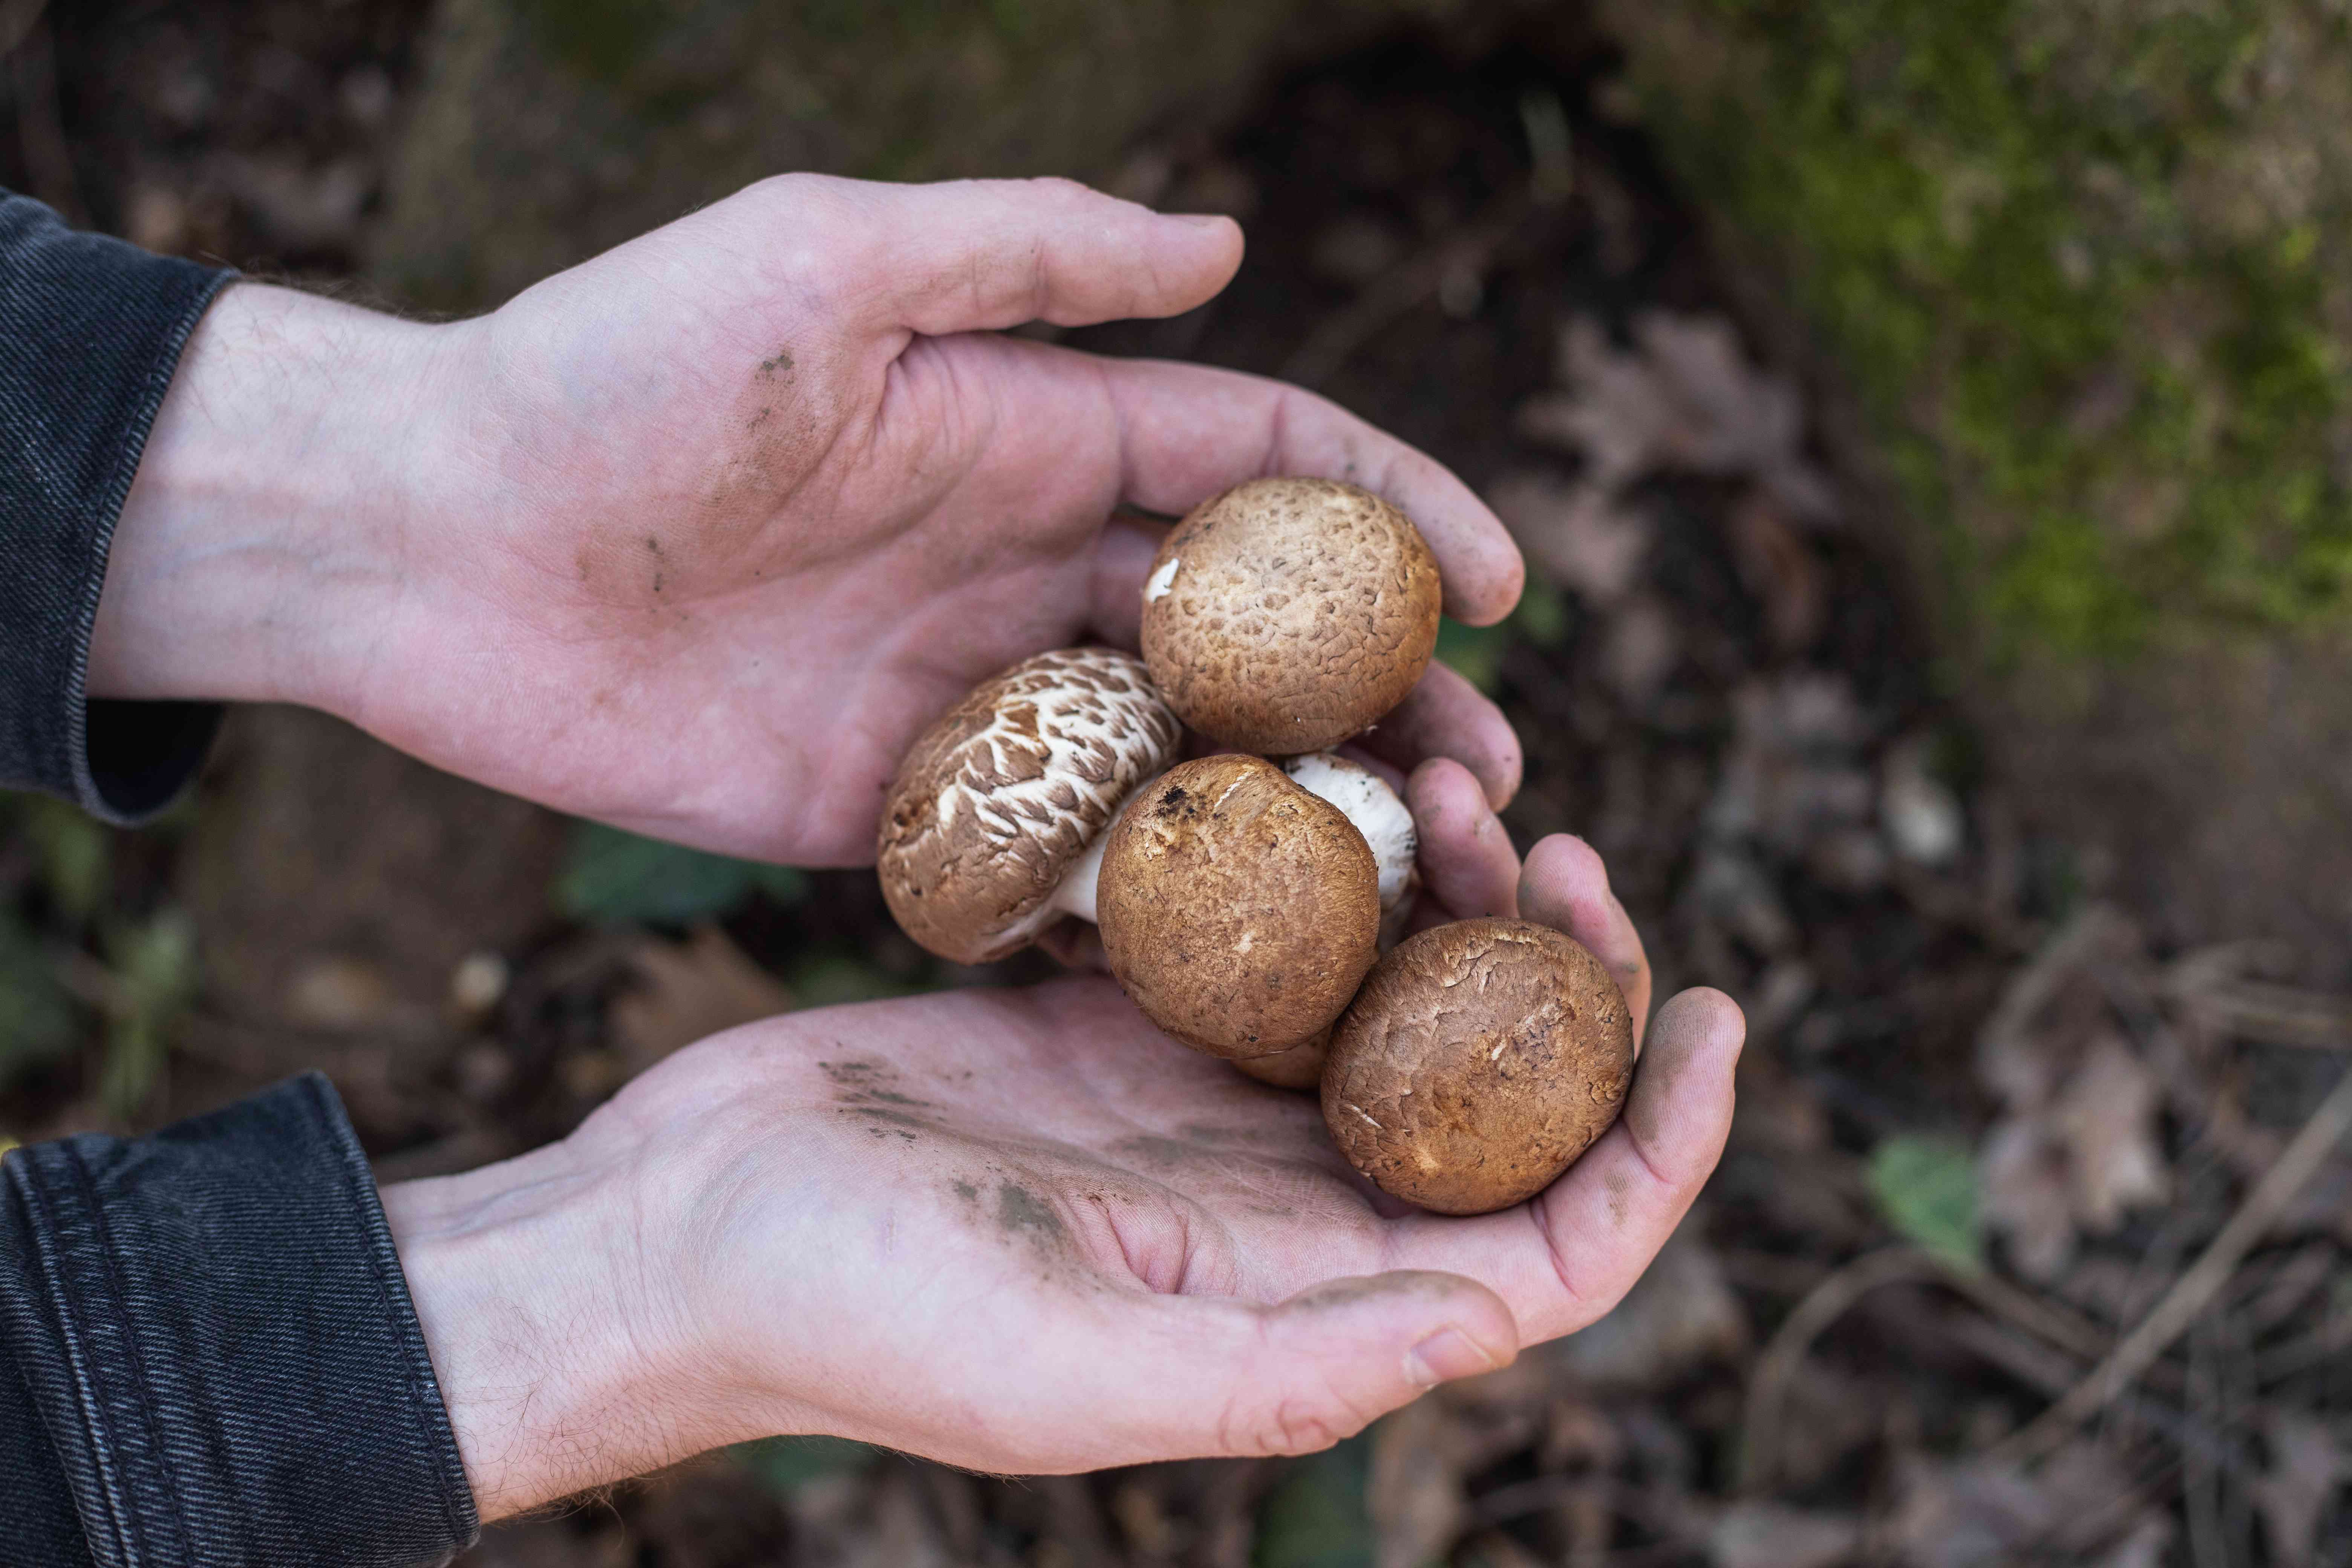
1923 818
477 984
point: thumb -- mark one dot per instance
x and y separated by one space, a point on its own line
1302 1374
979 255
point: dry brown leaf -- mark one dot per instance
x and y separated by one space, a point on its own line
1780 569
1768 1535
2077 1162
2106 1117
1967 1513
2306 1466
2022 1194
1640 650
1575 532
340 993
1684 397
688 990
1415 1496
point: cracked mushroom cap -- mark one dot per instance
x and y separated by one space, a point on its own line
1239 911
1479 1062
1287 614
1001 796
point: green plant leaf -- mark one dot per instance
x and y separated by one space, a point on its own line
1475 652
785 1465
1927 1189
38 1022
155 974
77 856
614 878
1316 1516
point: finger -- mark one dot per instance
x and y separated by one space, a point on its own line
1075 944
1122 562
1444 716
1298 1376
1564 886
1189 431
1468 863
1564 1258
978 255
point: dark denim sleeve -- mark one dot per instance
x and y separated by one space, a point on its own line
208 1356
91 332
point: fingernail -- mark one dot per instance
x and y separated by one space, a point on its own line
1198 220
1443 1356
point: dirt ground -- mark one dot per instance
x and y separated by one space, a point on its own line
1992 1271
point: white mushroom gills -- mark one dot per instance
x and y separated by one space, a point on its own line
1363 797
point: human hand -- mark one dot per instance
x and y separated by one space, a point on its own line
1015 1230
696 537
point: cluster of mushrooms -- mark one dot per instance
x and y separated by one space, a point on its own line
1243 903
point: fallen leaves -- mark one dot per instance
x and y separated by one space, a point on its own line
685 991
2078 1145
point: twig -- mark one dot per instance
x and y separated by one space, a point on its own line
1776 1369
2194 1289
2323 1344
1673 1520
2050 1374
2272 1014
2091 929
1406 286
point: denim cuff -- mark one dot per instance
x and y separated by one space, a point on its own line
220 1346
90 334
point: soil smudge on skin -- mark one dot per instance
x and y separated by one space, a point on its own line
869 1087
1020 1212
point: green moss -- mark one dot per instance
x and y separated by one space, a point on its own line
2076 261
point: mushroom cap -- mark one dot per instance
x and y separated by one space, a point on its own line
1001 796
1287 614
1300 1066
1479 1062
1239 911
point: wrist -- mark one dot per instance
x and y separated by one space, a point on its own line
558 1370
260 547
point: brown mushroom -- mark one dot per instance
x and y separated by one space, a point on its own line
1480 1059
1300 1066
1238 909
987 827
1286 615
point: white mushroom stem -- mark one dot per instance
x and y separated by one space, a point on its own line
1363 797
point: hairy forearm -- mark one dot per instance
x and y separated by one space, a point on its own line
261 545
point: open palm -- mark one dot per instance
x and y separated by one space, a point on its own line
724 517
1022 1231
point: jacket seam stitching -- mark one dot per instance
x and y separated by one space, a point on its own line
391 1307
121 1520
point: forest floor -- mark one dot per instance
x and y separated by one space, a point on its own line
1990 1272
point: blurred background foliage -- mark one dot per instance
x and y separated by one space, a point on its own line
2085 267
1906 408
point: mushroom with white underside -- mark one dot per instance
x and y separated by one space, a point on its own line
996 824
1000 802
